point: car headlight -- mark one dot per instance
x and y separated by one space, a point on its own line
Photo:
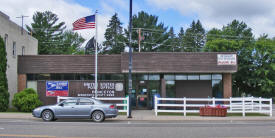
36 109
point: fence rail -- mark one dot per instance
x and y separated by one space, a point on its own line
235 105
123 104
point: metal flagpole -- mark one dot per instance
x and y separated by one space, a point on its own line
96 54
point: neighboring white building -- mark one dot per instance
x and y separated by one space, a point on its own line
16 44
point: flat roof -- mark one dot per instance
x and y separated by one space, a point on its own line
144 62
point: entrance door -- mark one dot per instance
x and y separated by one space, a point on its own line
142 95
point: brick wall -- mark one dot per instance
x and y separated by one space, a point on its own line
22 82
227 85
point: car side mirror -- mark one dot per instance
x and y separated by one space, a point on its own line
61 104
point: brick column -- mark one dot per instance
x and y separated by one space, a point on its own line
22 82
163 88
227 85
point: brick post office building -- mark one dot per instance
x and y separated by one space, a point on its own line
182 74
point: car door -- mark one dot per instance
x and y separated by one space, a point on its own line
84 107
67 109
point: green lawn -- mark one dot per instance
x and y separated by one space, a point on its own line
228 114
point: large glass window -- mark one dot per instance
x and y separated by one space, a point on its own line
154 77
170 89
181 77
217 89
193 77
169 77
205 77
14 49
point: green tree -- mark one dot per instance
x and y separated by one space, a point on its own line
180 38
194 38
154 33
263 77
71 42
235 37
4 94
46 29
114 43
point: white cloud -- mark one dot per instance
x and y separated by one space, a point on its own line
258 14
67 11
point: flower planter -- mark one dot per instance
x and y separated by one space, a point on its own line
213 111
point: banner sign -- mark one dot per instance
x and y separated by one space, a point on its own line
105 89
226 59
57 88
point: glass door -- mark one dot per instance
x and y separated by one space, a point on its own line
142 95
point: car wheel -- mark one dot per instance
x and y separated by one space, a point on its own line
47 115
98 116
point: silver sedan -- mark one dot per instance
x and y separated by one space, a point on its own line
77 108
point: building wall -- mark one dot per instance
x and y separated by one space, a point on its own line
30 44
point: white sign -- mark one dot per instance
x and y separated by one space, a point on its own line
226 59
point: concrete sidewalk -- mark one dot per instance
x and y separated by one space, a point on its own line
145 115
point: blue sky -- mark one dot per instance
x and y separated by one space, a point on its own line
169 17
257 14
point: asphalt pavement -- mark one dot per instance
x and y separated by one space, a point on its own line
73 128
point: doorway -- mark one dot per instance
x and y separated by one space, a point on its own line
146 91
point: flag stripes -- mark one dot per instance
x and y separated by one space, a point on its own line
84 23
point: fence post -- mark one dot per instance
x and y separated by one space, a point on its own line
156 105
184 106
213 102
57 99
252 103
243 107
128 105
260 104
230 103
270 107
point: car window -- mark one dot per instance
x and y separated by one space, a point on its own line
70 102
85 102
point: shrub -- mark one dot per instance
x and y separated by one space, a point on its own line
26 100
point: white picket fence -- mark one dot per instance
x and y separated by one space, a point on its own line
126 104
234 105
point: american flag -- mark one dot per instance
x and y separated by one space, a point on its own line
84 23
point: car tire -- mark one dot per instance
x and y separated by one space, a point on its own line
98 116
47 115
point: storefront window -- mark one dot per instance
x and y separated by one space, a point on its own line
217 88
169 77
181 77
43 76
69 77
170 89
56 77
216 76
205 77
154 77
193 77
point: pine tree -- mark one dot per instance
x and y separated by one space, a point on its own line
114 43
180 41
194 38
47 31
4 95
154 33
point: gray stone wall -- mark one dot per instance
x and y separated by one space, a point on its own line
24 44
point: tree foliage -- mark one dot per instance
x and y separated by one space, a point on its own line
153 34
255 73
194 38
52 39
4 94
114 43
